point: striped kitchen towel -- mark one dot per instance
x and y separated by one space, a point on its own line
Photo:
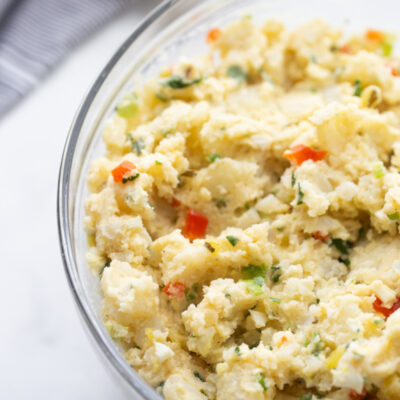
36 34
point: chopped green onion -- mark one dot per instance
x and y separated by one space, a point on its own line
318 300
106 265
158 162
198 376
275 300
252 271
189 295
227 295
276 273
357 88
237 72
130 178
361 233
128 106
393 216
379 322
232 240
280 228
177 82
136 144
300 195
341 245
255 285
261 381
378 169
293 180
237 351
213 157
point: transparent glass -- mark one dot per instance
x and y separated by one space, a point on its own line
176 28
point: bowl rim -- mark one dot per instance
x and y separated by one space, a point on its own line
63 213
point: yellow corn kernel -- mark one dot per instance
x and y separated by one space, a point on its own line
333 360
165 72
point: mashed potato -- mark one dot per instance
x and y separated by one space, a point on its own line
245 220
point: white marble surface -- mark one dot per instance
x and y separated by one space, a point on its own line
44 350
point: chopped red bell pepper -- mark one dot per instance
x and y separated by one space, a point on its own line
213 35
318 235
300 153
393 69
195 225
387 312
175 290
121 170
355 395
175 202
374 35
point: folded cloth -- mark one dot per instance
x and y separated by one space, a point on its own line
36 34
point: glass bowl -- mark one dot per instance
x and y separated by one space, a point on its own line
174 29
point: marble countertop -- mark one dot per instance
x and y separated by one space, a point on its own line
44 350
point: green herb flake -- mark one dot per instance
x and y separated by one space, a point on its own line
161 97
228 295
300 195
345 261
160 387
357 88
177 82
306 397
106 265
128 106
232 240
313 59
130 178
252 271
361 233
394 216
318 344
276 273
255 285
261 381
280 228
318 300
136 144
158 162
387 48
358 355
220 203
379 322
378 169
237 72
341 245
237 351
293 179
275 300
202 391
213 157
247 206
198 376
189 295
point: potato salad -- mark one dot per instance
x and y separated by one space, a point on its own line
244 220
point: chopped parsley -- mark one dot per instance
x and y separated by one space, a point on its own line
191 293
275 300
220 203
252 271
357 88
237 351
261 381
228 295
198 376
361 233
393 216
318 300
232 240
177 82
341 245
160 387
247 205
237 72
136 144
293 179
300 195
345 261
130 178
318 344
275 273
213 157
